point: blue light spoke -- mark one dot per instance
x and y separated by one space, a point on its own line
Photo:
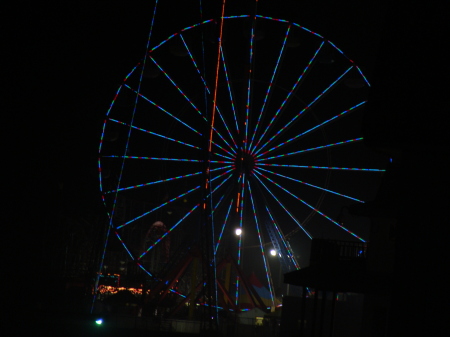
103 136
168 232
177 87
154 182
209 92
311 185
163 110
241 223
155 134
229 91
323 167
313 128
223 227
174 199
261 245
124 245
181 220
223 156
311 207
186 97
364 77
285 243
269 89
304 109
158 207
349 141
289 95
282 206
250 66
223 149
166 159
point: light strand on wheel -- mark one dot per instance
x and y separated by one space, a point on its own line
241 224
154 182
209 92
124 245
163 110
304 109
311 207
192 104
364 77
290 254
179 221
168 202
269 87
168 232
322 147
223 226
311 185
285 209
233 108
154 134
249 90
261 245
322 167
334 118
102 138
305 70
166 180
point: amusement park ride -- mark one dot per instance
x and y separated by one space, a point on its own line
236 121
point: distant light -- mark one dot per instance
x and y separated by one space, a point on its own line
99 321
238 231
273 252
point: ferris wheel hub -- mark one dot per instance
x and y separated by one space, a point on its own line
245 163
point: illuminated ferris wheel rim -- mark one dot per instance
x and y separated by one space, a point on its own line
252 157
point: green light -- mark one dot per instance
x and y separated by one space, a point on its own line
99 321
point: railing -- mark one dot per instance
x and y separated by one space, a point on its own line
333 251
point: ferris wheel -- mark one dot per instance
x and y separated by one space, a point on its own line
251 119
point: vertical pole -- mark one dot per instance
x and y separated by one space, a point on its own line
193 286
303 314
313 323
322 312
333 310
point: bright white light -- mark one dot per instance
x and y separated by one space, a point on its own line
238 231
99 321
273 252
